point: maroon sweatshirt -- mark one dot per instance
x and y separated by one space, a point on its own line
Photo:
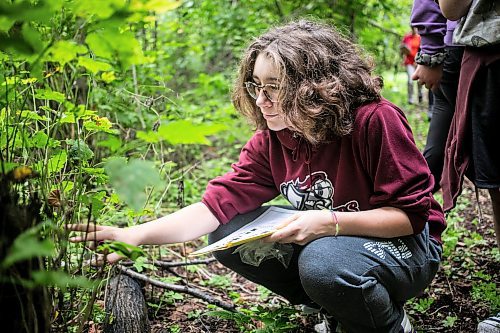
377 165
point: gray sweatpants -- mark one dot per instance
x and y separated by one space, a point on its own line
362 282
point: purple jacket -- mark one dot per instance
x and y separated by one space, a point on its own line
435 30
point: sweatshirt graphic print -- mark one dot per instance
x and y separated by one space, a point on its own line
319 195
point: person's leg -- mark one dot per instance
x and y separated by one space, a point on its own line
430 107
485 122
495 203
443 110
364 282
419 91
270 273
409 72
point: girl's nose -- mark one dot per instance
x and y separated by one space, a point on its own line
262 100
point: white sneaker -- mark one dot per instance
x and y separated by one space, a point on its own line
489 325
327 325
406 324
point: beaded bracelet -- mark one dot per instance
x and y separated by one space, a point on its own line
430 60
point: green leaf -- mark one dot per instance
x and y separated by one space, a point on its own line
6 23
33 37
64 51
112 142
50 95
130 251
42 140
62 280
159 6
131 179
108 77
7 166
99 124
78 150
28 245
97 8
111 44
94 66
149 136
54 164
185 132
28 114
67 118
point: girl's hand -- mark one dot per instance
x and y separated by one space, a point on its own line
93 234
303 227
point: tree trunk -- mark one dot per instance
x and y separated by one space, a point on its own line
125 306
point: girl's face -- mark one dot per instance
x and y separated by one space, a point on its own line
265 72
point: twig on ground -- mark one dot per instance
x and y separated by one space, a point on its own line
182 289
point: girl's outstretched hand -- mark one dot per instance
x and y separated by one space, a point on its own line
303 227
93 234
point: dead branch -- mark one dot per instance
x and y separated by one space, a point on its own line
165 264
182 289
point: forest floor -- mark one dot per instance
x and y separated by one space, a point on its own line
450 304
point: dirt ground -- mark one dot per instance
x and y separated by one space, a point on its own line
451 289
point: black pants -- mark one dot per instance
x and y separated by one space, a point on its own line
444 108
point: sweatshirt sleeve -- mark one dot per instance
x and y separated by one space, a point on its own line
247 186
398 170
426 16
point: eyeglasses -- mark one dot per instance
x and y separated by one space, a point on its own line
271 90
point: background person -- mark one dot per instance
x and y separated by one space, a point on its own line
409 48
472 145
438 69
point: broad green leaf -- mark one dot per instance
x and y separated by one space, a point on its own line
99 124
28 114
50 95
33 38
42 140
28 245
108 77
130 251
67 186
6 23
61 279
124 46
97 8
78 150
7 166
185 132
54 164
131 179
149 136
112 142
67 118
157 6
94 66
64 51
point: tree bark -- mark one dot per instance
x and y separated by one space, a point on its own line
125 306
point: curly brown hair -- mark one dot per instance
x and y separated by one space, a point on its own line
323 78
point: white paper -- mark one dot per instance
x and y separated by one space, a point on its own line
262 226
